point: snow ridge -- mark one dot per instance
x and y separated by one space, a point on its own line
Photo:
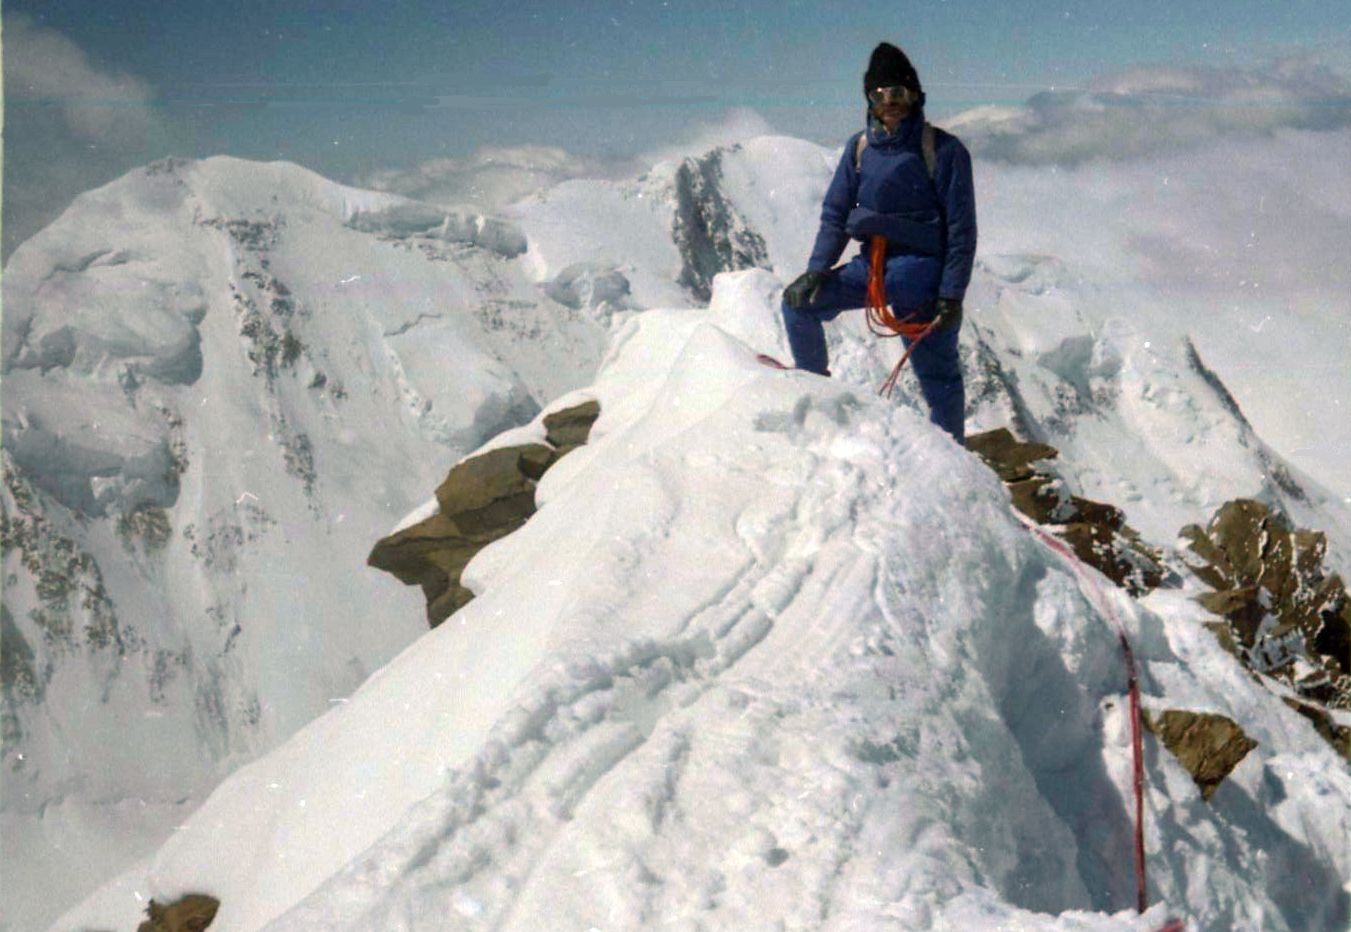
845 709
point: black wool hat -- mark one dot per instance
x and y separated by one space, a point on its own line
889 67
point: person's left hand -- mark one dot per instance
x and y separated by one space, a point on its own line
949 314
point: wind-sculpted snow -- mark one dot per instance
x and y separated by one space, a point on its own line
771 651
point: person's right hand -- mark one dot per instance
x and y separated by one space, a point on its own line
804 289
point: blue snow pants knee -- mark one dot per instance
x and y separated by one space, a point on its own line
934 359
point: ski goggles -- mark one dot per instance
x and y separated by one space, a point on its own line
892 95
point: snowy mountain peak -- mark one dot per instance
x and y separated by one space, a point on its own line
224 381
770 649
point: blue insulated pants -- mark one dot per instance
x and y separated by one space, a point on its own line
934 359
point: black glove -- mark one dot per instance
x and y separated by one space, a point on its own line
804 289
948 315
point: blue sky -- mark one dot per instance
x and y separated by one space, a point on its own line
354 86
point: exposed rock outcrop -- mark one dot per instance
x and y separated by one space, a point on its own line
484 497
711 236
191 913
1097 532
1285 615
1210 746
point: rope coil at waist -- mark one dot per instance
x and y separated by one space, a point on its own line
880 319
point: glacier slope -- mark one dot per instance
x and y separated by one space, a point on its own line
194 359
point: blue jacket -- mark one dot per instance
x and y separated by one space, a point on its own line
891 193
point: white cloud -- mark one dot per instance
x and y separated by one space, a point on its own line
495 176
43 66
736 125
1154 110
69 126
490 178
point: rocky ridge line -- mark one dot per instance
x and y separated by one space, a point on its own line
709 233
1281 616
1097 532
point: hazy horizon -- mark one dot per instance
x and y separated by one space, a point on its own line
418 96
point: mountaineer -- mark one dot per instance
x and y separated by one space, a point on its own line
904 188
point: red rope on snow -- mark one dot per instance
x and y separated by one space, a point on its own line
1133 690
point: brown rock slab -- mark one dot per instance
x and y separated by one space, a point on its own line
1119 556
1096 531
1209 746
1339 736
482 499
1100 513
1093 544
1009 457
191 913
1333 639
497 518
1225 635
404 553
1227 601
572 426
1236 529
447 603
484 479
1210 563
1037 497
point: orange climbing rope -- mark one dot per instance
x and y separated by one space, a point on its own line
881 321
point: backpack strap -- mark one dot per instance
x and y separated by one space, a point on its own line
926 145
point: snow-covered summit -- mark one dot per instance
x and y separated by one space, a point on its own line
753 204
224 381
772 650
